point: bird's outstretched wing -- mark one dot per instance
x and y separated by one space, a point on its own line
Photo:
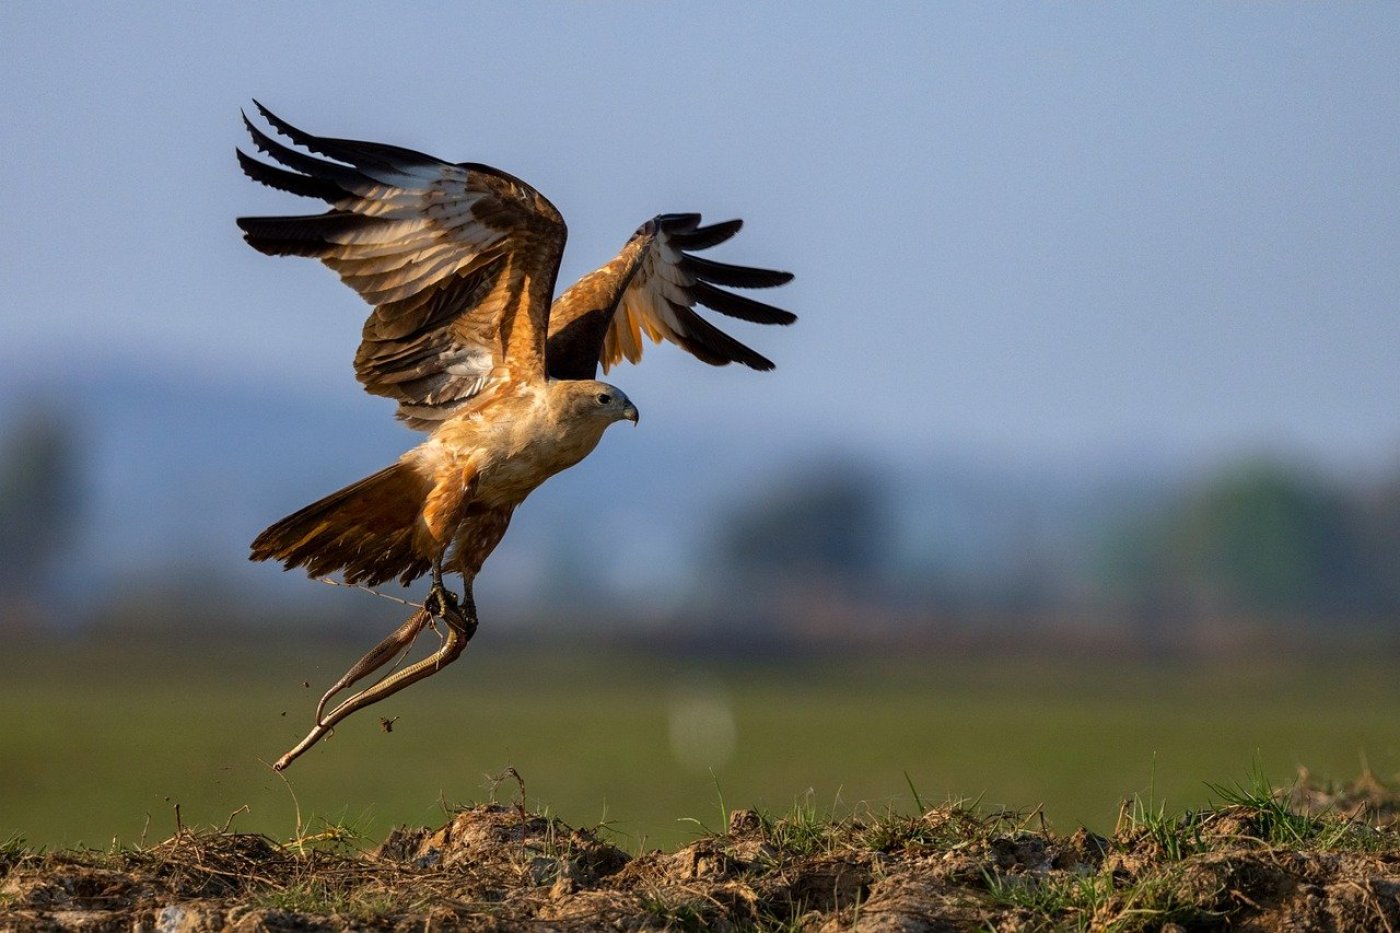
652 287
459 262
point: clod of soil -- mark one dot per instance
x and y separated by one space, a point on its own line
1264 862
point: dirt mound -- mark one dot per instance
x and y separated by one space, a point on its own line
1365 799
1257 865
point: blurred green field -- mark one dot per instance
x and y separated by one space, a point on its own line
98 737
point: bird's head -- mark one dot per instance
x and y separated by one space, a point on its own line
590 399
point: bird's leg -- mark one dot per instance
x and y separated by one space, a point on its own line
440 598
461 626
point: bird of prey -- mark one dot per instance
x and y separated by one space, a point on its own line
459 262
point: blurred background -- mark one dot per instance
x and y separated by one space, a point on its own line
1079 475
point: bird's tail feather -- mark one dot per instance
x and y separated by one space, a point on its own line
365 531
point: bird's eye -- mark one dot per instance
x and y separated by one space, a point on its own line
604 398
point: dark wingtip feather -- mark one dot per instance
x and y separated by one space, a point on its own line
677 223
705 237
302 235
292 182
738 306
345 177
357 152
709 344
297 136
259 137
272 148
723 273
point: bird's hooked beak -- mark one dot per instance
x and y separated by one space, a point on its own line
630 413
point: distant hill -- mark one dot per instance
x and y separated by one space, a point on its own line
182 473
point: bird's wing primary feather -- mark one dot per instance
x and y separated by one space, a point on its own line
458 260
652 287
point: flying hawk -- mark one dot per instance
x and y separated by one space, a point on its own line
459 263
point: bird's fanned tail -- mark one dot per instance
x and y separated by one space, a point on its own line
364 531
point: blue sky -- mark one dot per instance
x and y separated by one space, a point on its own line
1032 232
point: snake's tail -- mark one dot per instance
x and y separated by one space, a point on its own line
460 629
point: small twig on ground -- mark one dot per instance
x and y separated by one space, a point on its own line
498 780
229 822
296 805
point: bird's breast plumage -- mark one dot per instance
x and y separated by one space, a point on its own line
513 443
